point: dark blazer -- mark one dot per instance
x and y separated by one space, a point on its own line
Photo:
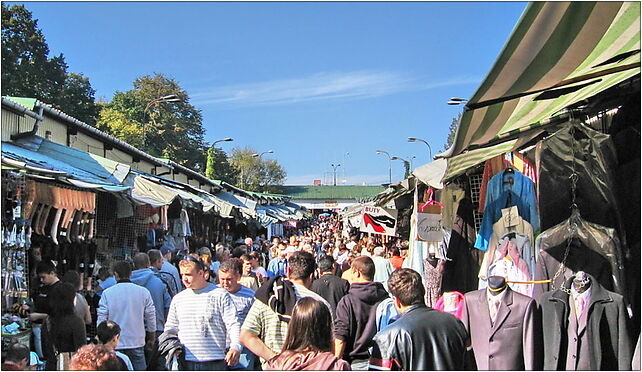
606 327
421 339
512 342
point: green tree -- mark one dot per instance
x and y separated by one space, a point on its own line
256 174
452 131
169 129
27 70
120 126
218 166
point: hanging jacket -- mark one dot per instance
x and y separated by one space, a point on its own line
606 326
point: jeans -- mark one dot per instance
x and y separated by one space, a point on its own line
246 361
214 365
137 357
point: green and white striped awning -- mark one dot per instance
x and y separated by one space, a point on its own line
560 53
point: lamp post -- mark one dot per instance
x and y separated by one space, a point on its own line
456 101
378 152
415 139
210 151
228 139
334 170
263 153
155 101
405 162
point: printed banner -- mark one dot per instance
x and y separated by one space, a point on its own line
378 221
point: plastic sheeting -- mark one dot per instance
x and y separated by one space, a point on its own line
594 162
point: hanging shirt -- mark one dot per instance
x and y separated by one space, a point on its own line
501 194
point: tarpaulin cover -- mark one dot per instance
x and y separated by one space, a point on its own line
560 53
432 173
71 165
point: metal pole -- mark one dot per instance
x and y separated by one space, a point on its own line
389 171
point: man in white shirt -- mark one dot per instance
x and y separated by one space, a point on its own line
130 306
203 316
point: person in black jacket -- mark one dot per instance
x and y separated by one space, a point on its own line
66 331
329 285
353 326
422 338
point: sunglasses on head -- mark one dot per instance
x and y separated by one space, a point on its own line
199 263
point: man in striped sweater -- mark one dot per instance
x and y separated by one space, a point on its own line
203 315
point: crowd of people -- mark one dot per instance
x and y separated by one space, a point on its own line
312 300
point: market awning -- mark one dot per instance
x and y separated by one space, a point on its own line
40 157
559 54
432 173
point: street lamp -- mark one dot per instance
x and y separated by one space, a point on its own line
228 139
263 153
379 152
334 170
414 139
456 101
405 162
156 101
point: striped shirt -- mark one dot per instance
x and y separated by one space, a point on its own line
203 319
265 323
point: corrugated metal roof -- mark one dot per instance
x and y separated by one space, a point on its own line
327 192
37 152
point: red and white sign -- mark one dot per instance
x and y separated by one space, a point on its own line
317 182
378 220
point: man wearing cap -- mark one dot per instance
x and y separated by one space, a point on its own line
169 268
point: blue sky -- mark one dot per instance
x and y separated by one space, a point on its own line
317 82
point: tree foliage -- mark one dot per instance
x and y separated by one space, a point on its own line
256 174
28 71
219 168
454 124
170 130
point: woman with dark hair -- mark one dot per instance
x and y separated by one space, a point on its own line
108 333
308 343
66 330
81 307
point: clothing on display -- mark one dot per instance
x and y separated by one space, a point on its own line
506 189
508 340
498 164
452 303
579 258
433 273
463 260
596 339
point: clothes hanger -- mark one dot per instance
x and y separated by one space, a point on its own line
581 282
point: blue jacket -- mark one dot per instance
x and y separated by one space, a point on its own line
160 296
522 195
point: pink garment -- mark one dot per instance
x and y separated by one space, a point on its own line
509 248
439 305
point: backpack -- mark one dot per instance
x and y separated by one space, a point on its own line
169 281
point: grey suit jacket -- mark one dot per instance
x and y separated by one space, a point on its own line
512 343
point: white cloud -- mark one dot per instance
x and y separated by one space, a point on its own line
318 87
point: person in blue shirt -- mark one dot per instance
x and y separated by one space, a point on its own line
277 265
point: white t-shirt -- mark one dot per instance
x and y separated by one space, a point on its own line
260 271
